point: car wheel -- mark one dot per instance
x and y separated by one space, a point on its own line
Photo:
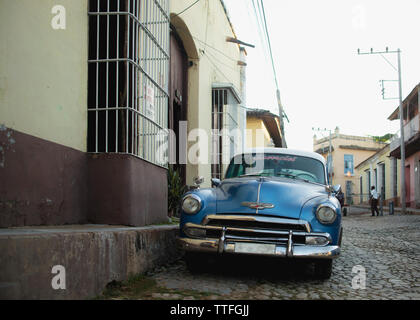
340 239
323 269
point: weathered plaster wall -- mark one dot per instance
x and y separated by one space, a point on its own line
43 72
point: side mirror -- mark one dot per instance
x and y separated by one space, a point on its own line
198 181
215 182
336 188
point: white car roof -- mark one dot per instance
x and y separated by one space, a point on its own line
292 152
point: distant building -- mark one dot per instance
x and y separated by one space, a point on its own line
411 119
347 151
381 171
263 129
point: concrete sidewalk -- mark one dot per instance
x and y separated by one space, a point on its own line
78 261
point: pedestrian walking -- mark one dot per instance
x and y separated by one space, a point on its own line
374 196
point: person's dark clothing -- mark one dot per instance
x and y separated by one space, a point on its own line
374 207
374 197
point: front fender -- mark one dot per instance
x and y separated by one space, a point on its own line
308 213
208 206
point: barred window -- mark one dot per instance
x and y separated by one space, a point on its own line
348 164
349 192
128 76
225 118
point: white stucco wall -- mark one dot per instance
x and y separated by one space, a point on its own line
214 61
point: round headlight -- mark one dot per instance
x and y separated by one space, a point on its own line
326 214
191 204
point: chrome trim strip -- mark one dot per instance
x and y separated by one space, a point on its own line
304 223
257 205
258 195
314 252
194 196
221 245
256 231
329 205
289 252
267 231
254 239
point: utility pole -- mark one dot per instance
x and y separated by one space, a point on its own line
281 115
329 153
242 73
402 143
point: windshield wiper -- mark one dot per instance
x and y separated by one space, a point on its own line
250 175
289 175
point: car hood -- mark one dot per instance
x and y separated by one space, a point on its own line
286 195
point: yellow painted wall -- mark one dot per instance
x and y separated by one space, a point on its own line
203 30
338 164
338 157
43 72
372 164
255 139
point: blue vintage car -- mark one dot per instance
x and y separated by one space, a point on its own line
272 202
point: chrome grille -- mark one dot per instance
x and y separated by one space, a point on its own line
256 222
255 228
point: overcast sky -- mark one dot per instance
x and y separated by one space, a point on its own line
323 82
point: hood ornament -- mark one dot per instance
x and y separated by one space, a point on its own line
257 205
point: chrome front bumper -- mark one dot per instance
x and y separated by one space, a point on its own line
292 251
285 247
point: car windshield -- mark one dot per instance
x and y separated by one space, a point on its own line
277 165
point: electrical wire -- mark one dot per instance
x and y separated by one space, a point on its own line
220 62
180 30
265 39
220 71
187 8
215 49
260 28
215 66
269 46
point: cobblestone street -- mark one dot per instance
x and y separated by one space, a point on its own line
387 247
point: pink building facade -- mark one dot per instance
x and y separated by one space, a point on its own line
411 118
412 182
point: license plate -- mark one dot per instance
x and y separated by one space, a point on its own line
256 248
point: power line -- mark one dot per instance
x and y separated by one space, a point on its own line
180 30
269 46
263 25
215 49
402 140
190 6
266 37
260 29
219 61
215 66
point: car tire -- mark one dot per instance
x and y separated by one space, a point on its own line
323 269
340 237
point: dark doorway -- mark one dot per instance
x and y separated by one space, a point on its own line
407 185
177 110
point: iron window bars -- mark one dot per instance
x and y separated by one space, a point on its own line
225 109
128 75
